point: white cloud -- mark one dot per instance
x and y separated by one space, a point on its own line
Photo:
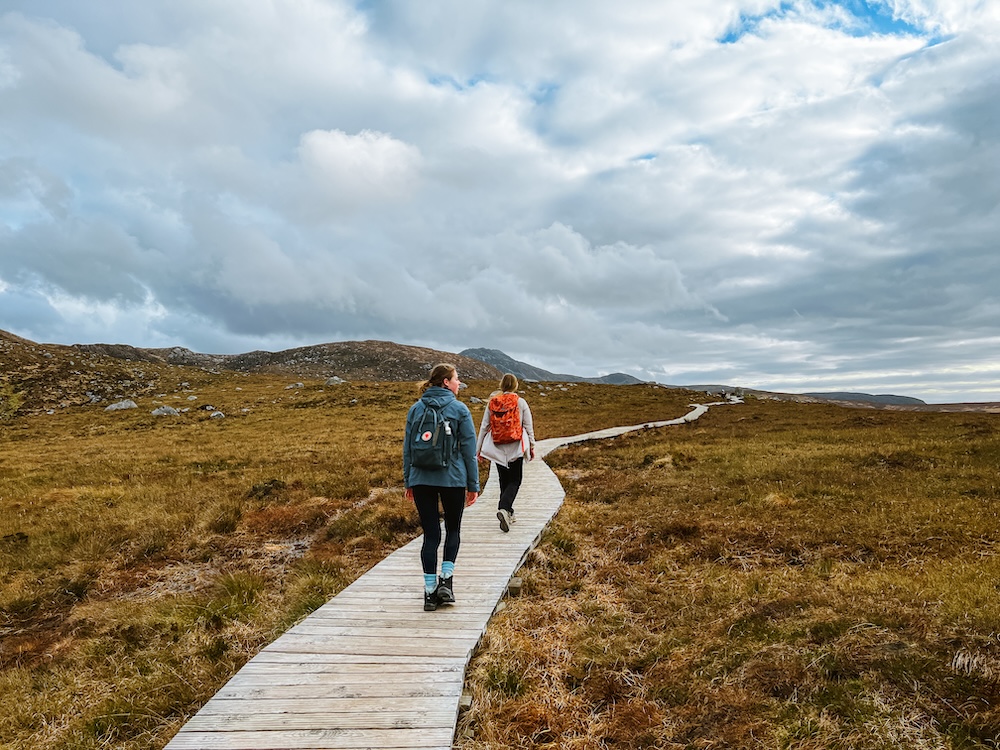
345 172
765 191
947 16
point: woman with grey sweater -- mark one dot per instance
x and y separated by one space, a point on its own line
508 454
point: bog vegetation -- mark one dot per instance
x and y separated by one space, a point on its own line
776 575
144 559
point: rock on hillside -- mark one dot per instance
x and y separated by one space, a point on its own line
524 371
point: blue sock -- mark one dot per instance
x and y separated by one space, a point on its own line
447 569
430 582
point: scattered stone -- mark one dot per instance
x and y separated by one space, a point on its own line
207 407
334 381
217 415
164 411
126 404
294 385
192 398
476 400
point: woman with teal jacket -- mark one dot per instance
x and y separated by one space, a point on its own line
455 486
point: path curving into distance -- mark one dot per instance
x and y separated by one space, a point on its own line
370 668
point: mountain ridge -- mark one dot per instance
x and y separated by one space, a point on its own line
527 372
41 377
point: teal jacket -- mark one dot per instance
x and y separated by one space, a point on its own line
462 470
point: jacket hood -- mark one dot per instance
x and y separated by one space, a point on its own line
437 396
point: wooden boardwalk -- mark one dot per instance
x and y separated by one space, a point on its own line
370 668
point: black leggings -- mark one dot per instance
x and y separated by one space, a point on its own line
510 482
452 499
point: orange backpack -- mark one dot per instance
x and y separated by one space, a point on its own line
505 418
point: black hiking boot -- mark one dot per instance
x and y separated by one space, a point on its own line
430 601
445 592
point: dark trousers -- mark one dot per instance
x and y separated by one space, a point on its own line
510 482
452 500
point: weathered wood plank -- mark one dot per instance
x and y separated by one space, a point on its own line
301 715
350 681
317 739
326 691
368 704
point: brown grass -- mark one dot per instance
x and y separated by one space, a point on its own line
777 575
144 559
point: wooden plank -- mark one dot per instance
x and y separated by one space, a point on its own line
389 662
307 665
368 704
312 716
336 629
284 676
317 739
373 646
231 691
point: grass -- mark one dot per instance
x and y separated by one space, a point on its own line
777 575
774 575
145 559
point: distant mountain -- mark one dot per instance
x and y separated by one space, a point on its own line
842 396
524 371
868 398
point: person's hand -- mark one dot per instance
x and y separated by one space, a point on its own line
470 498
479 457
409 494
532 454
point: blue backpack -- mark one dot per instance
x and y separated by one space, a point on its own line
432 441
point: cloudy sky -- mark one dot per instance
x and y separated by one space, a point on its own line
796 196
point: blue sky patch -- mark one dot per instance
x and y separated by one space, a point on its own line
866 19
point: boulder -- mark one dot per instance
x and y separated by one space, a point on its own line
126 404
164 411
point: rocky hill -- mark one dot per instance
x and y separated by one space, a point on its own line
524 371
350 360
43 377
